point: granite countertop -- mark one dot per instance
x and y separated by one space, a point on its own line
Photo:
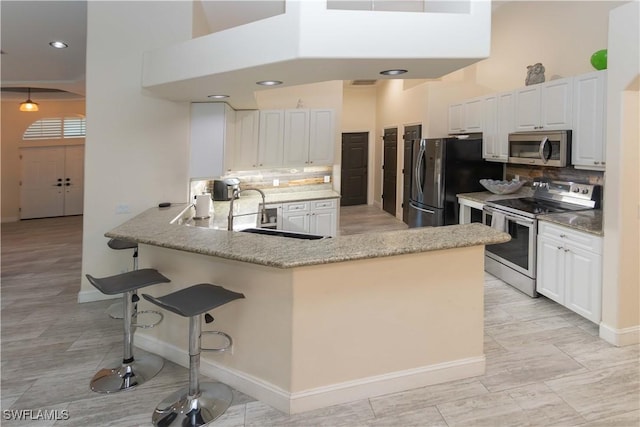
588 221
154 227
487 196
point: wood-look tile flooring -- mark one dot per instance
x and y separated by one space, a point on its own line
545 365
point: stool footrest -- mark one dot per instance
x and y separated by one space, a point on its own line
149 325
218 349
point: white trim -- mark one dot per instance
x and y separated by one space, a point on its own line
9 219
620 337
94 295
325 396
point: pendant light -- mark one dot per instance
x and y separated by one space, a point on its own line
29 105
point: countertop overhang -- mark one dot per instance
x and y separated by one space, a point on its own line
153 227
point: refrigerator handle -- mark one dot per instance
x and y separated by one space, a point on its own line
418 175
421 209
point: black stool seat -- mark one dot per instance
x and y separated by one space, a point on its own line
194 300
118 244
129 281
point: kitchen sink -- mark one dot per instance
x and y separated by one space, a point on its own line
282 233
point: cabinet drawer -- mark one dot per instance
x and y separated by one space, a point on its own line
296 207
576 238
323 204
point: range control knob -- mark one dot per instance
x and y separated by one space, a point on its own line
576 190
585 191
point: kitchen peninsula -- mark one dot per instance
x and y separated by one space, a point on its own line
324 321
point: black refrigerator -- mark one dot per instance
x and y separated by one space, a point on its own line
442 168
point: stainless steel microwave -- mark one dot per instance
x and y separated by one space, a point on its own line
542 148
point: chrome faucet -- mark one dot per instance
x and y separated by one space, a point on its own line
236 193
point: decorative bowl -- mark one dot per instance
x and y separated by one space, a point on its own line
501 187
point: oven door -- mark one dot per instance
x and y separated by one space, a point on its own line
520 252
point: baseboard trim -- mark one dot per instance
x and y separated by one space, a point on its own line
9 219
94 295
620 337
325 396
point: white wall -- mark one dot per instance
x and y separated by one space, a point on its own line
621 269
136 146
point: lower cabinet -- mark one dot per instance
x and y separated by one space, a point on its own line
313 216
569 269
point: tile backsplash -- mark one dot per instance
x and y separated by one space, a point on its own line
528 173
264 178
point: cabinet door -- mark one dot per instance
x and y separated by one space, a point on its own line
207 142
296 137
583 282
588 138
556 105
271 142
506 105
550 268
322 137
456 114
527 108
295 216
472 116
324 217
245 150
490 128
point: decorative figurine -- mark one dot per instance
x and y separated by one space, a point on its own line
535 74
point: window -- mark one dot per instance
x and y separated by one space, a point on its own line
56 128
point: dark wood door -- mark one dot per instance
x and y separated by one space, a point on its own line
355 155
411 134
389 172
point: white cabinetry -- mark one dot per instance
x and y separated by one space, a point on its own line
466 117
589 96
497 124
212 131
245 149
545 106
314 217
321 136
569 269
271 139
296 137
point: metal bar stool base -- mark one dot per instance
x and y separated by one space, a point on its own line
127 376
180 409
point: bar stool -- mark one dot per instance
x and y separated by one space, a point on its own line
132 371
115 310
198 404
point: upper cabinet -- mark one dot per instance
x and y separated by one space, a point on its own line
245 147
466 117
271 142
212 132
589 121
545 106
497 124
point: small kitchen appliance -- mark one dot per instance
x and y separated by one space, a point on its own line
515 261
541 148
441 169
223 190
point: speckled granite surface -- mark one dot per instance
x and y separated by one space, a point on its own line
487 196
154 227
587 221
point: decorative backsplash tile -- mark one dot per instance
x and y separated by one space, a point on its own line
528 173
263 178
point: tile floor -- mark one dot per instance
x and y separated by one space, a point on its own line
546 366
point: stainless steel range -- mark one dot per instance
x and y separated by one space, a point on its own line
515 261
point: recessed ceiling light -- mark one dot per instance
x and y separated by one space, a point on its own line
217 96
269 83
392 72
58 44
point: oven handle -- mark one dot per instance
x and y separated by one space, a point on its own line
510 216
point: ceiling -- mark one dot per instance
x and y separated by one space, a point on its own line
27 27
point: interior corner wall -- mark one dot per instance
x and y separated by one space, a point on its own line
136 151
13 124
359 115
621 260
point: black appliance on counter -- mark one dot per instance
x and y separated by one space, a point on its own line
442 168
222 191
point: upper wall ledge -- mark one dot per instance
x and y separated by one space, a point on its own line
310 43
